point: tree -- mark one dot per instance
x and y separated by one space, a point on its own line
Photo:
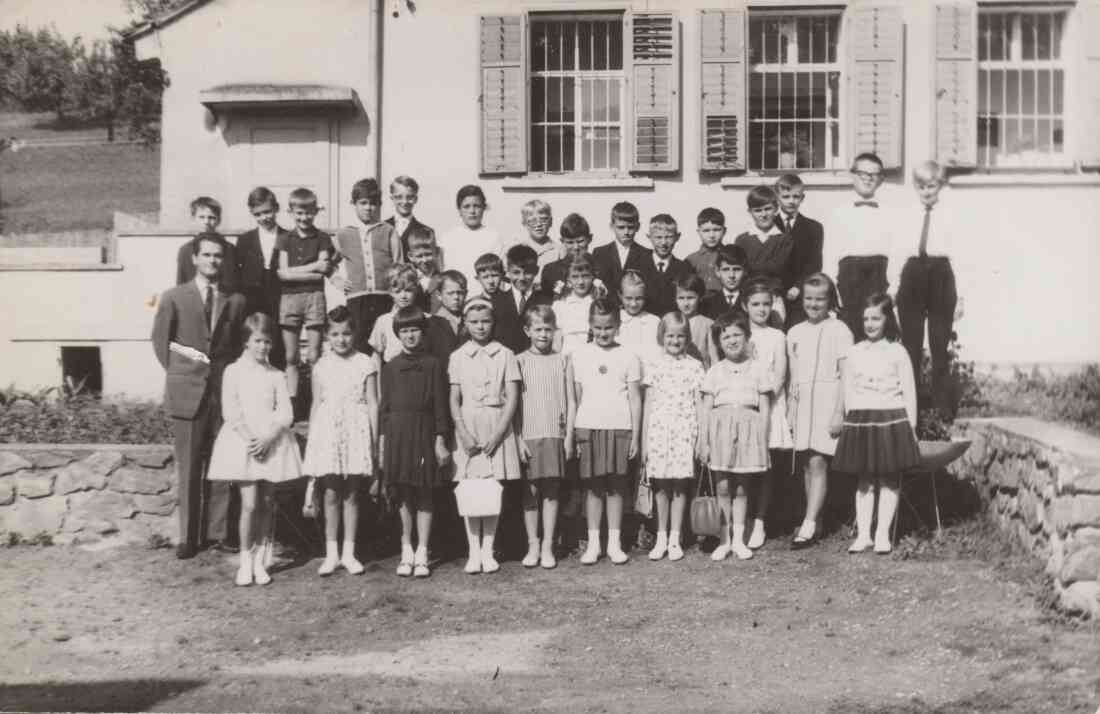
36 68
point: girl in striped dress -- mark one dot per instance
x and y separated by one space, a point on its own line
546 430
875 421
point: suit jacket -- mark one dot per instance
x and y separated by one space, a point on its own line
508 322
185 267
714 304
258 282
180 319
414 225
809 240
660 288
610 271
553 273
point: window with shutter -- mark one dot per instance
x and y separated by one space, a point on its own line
654 56
503 100
875 51
956 77
722 81
1021 75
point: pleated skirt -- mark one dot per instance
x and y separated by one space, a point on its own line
738 440
876 441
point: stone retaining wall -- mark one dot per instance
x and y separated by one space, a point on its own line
1042 483
109 493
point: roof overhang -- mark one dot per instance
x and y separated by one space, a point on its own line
229 97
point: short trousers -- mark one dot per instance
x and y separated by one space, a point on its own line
297 309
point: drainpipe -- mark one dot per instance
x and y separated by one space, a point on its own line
374 82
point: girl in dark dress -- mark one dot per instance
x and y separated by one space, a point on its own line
412 416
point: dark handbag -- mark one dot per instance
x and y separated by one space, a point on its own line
706 516
643 499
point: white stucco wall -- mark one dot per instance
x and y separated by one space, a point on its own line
256 41
1031 241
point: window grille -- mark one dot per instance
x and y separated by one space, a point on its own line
577 93
1021 87
794 91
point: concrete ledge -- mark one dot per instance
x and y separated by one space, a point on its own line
528 183
1018 180
1041 482
61 267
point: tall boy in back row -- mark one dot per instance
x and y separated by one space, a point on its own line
808 236
258 262
622 254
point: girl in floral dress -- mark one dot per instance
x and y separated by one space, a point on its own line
670 429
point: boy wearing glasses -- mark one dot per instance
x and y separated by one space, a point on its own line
365 253
537 220
860 243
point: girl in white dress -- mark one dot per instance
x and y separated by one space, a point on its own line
343 434
769 347
255 447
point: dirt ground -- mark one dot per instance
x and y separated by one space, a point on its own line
933 628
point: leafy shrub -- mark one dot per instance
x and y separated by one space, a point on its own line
1072 399
80 419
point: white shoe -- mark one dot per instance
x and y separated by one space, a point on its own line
404 568
548 561
591 554
328 566
353 566
721 552
675 552
473 563
758 536
244 573
742 551
616 555
660 548
420 564
489 564
883 546
531 560
860 544
259 572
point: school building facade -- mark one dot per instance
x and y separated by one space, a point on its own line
672 105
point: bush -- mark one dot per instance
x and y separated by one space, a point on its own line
1072 399
81 419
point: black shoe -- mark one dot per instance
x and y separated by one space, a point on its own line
223 546
185 552
803 543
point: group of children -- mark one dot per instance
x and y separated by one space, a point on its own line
569 368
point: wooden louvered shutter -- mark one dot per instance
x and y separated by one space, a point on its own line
875 49
722 81
653 76
956 77
1086 131
503 94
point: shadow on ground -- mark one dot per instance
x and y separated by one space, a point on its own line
121 695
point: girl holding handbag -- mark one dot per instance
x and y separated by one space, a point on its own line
670 429
485 381
735 409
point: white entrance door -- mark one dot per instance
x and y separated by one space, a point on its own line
282 153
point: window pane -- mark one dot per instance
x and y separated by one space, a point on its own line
599 49
1012 91
1027 90
831 99
538 156
1043 141
553 46
756 96
568 45
1042 83
984 32
1027 36
1059 76
983 91
1059 139
805 51
615 38
614 99
1012 136
998 37
584 44
614 140
771 90
996 91
538 99
1056 34
538 47
1042 36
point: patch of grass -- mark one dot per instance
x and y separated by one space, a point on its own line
44 125
68 188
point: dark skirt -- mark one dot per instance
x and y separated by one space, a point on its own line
409 451
877 442
547 458
603 452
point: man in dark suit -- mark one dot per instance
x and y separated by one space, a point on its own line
196 334
664 269
809 240
622 254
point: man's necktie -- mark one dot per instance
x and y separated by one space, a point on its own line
923 249
869 204
208 307
661 266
